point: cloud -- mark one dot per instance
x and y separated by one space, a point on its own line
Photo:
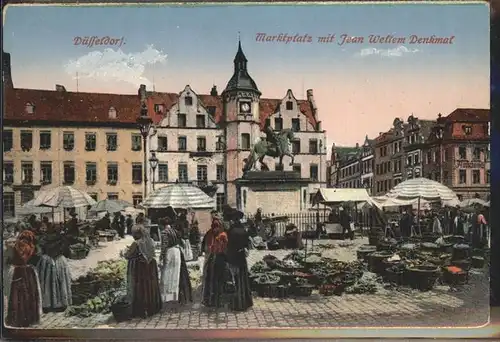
111 65
395 52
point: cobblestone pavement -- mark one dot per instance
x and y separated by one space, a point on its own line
467 306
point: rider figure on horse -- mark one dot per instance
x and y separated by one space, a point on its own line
272 138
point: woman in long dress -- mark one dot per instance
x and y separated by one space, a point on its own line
237 248
215 265
21 285
175 285
182 228
54 273
142 274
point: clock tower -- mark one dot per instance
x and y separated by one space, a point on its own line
241 122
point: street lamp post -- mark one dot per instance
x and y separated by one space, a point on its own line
440 136
145 123
153 162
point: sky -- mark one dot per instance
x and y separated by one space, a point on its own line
359 87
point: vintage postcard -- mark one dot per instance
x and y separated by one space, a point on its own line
246 166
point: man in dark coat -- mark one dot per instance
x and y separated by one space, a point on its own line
345 222
405 223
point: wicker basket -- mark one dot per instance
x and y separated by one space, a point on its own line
423 278
78 253
477 262
459 278
332 289
81 292
267 290
393 277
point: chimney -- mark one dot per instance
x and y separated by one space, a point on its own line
6 71
60 88
214 92
310 98
357 145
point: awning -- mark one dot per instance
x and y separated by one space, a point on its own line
335 196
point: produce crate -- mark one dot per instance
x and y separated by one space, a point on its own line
303 290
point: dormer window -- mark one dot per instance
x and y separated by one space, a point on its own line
211 110
467 130
188 101
158 108
289 105
112 113
29 108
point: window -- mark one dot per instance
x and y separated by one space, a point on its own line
162 143
297 168
46 172
289 105
26 140
111 141
9 204
182 171
487 153
136 142
158 108
69 172
200 121
26 196
445 177
487 176
68 141
162 173
201 144
29 108
211 110
467 130
462 176
268 122
220 173
90 141
7 140
219 144
202 173
94 196
220 199
188 101
182 143
313 146
245 141
446 155
296 125
313 171
112 171
112 113
462 152
136 173
429 157
8 173
296 146
416 160
27 172
278 167
181 120
278 124
113 196
476 154
136 199
91 173
409 161
476 176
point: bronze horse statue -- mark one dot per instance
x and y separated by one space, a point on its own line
265 148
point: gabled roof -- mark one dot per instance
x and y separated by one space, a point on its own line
65 106
469 115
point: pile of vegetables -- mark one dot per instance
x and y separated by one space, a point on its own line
100 304
107 270
194 275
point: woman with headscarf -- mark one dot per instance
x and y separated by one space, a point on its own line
237 248
143 289
215 264
21 285
175 285
182 227
53 271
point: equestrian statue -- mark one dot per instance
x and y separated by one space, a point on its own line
276 145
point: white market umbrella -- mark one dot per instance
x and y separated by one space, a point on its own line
424 189
29 208
110 206
65 197
179 195
471 202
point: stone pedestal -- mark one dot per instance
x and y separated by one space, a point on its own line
276 192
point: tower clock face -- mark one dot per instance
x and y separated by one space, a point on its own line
245 107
